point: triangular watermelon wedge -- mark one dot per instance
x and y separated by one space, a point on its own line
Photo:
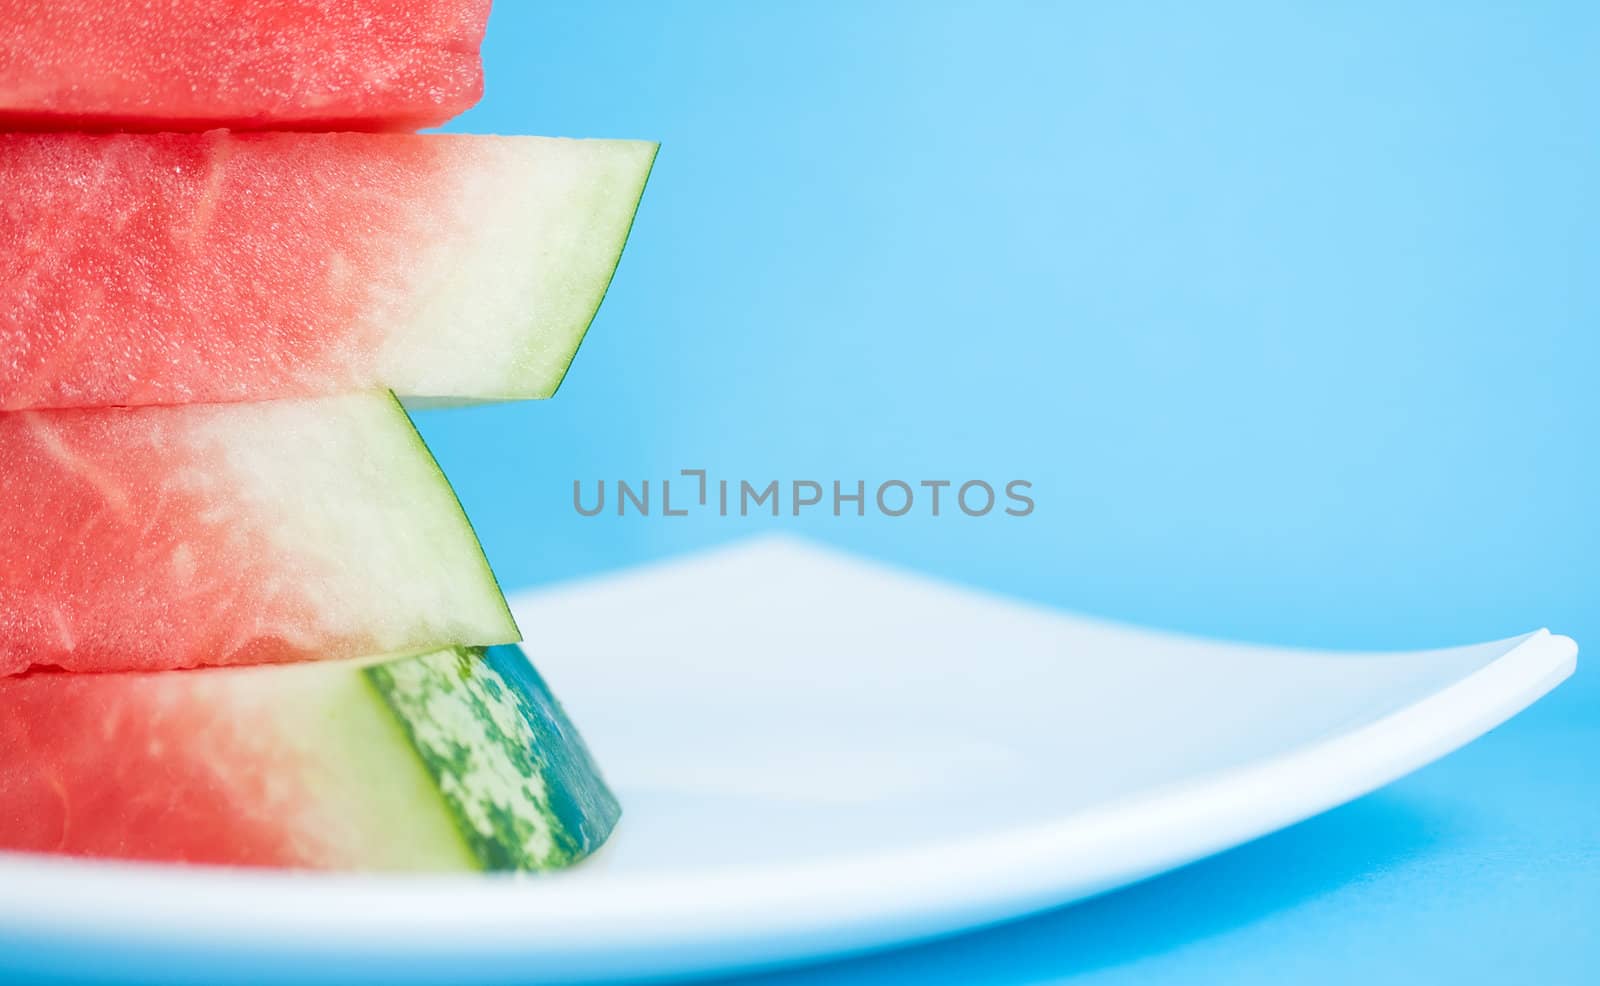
458 759
180 268
266 64
171 537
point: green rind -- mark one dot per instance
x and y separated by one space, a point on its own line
359 756
515 632
604 284
508 763
579 797
539 384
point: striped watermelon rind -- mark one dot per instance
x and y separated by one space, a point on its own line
522 786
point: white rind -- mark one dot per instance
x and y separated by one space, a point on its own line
496 307
343 772
358 511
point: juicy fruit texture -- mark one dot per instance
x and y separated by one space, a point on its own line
180 268
256 64
171 537
451 760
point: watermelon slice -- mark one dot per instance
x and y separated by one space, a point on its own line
457 759
265 64
179 268
170 537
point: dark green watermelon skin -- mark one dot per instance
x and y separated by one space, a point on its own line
524 788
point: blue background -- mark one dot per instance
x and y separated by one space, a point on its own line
1289 312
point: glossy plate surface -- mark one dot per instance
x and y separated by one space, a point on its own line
818 754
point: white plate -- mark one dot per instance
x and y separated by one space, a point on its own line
817 754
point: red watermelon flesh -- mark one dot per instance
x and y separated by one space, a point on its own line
244 64
179 268
456 759
170 537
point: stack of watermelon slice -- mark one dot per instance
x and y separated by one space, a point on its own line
243 618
